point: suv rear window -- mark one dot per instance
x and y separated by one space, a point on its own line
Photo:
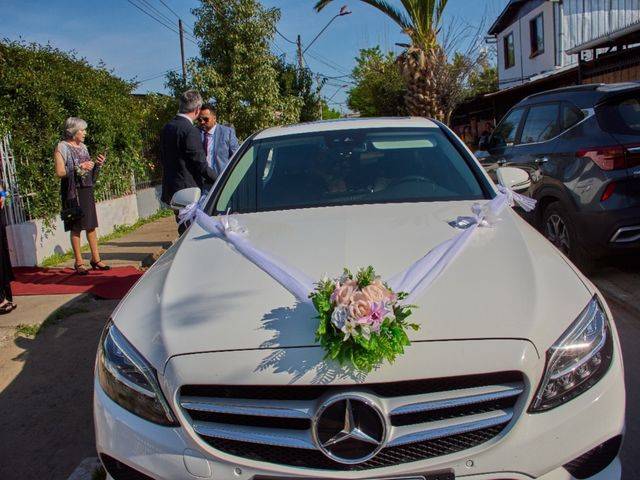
621 115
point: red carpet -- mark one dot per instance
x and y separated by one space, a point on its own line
111 284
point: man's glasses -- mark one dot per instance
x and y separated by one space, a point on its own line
203 119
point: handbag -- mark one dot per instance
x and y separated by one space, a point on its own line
72 213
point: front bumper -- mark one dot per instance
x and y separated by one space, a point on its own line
532 446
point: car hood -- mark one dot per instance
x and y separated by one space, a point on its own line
204 296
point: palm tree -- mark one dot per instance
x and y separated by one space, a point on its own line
423 63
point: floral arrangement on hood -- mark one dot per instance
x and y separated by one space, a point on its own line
362 321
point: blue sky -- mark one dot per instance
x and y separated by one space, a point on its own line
134 46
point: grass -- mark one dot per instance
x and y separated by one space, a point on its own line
118 231
26 330
99 474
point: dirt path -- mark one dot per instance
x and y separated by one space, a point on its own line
46 388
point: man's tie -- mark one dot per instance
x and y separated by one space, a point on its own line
205 143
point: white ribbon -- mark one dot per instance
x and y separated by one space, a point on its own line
231 230
413 280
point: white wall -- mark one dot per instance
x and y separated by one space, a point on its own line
30 242
526 66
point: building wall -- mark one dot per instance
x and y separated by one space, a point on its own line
31 242
628 74
526 66
567 24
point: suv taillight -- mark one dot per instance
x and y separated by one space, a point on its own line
614 157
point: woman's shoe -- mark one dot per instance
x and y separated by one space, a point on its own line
81 269
7 307
97 266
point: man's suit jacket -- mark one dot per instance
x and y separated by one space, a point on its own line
183 159
225 145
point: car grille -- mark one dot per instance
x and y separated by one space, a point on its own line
426 418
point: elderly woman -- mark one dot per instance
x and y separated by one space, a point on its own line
78 173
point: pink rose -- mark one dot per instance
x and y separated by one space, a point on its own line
376 292
342 294
360 306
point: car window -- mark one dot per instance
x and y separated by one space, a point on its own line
349 167
620 114
541 123
629 110
505 133
570 116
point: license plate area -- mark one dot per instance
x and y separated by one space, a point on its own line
442 475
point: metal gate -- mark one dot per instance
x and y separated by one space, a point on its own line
14 205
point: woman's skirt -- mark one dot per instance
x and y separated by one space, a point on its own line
89 219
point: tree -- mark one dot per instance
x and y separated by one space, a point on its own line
379 88
40 87
423 63
299 83
236 68
483 79
327 112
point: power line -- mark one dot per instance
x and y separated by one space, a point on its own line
158 75
336 66
290 41
176 15
169 27
156 11
315 57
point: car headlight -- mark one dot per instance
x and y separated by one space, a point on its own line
127 378
577 360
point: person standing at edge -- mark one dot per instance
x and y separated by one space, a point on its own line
184 164
78 174
6 272
219 141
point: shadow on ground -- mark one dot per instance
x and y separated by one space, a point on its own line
46 424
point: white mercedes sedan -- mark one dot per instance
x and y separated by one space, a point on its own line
352 301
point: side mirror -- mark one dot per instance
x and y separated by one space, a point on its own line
514 178
184 197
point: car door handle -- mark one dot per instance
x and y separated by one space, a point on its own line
501 161
542 160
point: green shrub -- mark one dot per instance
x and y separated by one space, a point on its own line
40 87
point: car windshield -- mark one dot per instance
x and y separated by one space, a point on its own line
348 167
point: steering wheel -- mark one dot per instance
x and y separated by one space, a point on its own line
409 179
411 185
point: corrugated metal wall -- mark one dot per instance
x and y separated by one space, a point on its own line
587 20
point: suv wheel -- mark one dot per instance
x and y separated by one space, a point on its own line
555 228
559 229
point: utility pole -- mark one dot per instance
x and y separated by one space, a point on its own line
184 70
300 59
319 97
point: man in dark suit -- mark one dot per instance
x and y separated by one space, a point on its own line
219 141
183 159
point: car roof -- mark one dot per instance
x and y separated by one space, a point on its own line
582 96
346 124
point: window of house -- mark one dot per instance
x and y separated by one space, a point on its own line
509 52
541 123
536 31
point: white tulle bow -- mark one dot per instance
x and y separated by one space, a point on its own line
413 280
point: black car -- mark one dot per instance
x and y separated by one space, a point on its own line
581 146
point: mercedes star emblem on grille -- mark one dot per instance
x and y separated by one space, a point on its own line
349 429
